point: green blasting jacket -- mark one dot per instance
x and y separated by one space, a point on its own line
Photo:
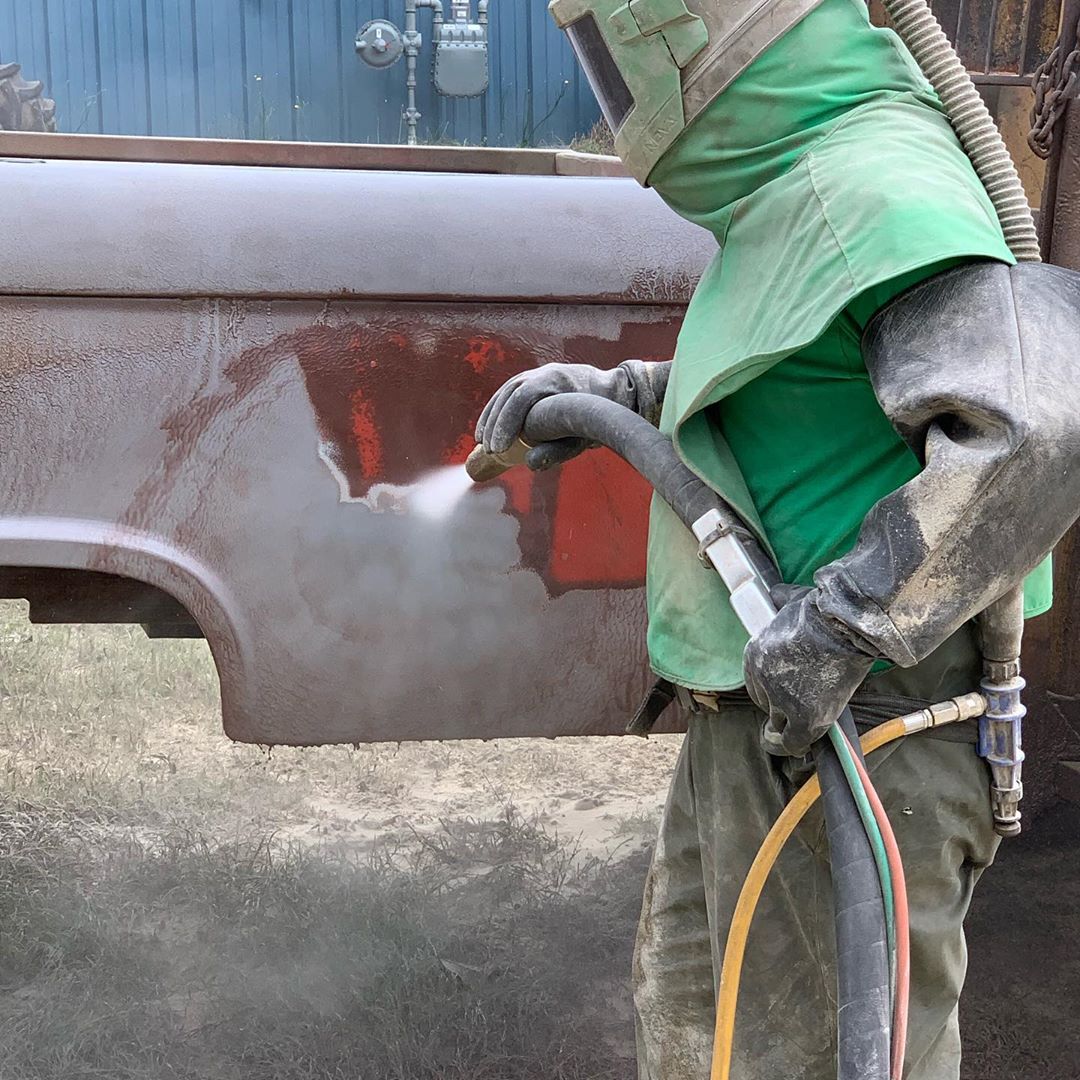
831 181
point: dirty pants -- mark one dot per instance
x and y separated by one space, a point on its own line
725 795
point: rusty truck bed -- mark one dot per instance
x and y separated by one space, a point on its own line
215 377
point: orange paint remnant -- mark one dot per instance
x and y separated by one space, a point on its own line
456 454
366 437
601 523
483 352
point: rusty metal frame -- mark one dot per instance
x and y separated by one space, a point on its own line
297 155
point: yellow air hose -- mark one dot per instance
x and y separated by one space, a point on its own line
965 707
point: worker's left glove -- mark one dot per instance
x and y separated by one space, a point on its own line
802 671
638 385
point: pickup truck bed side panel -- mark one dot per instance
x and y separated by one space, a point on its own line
251 459
219 380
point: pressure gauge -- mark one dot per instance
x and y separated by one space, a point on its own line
380 43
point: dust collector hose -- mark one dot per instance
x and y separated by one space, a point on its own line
926 41
864 1014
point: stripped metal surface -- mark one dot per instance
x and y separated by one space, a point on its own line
232 421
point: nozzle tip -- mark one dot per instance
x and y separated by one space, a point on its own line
482 466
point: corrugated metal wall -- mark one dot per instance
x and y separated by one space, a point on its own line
282 69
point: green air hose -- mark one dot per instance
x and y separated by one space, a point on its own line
926 41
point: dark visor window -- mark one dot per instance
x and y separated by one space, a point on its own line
607 82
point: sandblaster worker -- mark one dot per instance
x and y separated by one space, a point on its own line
849 379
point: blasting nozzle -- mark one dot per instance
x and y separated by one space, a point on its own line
483 466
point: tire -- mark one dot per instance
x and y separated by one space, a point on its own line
22 106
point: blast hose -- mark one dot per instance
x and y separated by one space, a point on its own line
864 992
634 439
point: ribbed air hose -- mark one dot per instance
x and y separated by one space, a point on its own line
922 34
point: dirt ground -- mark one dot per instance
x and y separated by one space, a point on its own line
1020 1009
173 905
176 906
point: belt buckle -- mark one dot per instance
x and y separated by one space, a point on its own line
696 701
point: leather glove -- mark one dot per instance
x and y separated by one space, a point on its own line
802 671
638 385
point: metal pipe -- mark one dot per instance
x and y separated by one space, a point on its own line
1001 630
413 42
482 12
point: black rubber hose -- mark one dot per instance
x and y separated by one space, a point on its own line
864 999
633 438
864 1015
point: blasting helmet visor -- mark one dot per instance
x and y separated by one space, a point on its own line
604 77
656 65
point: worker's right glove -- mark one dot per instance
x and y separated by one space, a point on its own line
978 370
638 385
801 671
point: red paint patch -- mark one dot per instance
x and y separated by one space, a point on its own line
397 401
601 523
483 352
519 489
457 453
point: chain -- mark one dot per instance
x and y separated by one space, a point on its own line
1053 83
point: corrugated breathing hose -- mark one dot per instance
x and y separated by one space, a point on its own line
920 31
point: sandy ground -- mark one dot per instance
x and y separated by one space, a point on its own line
601 795
112 743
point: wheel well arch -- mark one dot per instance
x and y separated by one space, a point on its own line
74 569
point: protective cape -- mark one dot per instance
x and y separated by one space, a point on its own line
829 177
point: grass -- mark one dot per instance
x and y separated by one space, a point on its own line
171 907
597 140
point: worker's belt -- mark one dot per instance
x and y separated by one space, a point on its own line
664 692
697 701
870 708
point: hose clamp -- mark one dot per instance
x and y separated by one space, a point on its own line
719 533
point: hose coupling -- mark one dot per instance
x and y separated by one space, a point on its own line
1001 744
723 547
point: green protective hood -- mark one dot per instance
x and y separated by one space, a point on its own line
830 179
656 65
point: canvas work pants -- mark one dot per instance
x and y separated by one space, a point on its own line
725 796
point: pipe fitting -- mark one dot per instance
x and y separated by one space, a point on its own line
1001 744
